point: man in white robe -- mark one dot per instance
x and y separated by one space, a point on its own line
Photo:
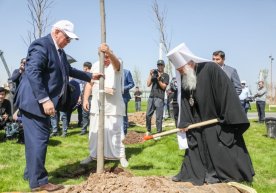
114 149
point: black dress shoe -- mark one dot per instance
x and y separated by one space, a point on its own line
26 178
53 134
20 141
176 178
83 133
48 187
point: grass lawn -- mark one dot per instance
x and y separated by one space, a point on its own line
161 158
131 107
254 109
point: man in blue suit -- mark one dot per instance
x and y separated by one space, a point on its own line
128 84
16 75
43 89
219 58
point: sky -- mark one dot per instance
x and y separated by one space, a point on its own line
244 29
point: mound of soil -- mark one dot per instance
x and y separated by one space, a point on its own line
133 137
124 182
139 119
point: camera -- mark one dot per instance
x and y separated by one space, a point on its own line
154 75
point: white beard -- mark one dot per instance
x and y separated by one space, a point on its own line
189 79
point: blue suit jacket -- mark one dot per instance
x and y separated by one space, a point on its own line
234 77
15 79
128 84
43 76
16 75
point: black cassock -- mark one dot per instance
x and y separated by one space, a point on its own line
217 153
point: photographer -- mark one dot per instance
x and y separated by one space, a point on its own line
159 80
17 73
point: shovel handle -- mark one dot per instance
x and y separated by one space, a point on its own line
192 126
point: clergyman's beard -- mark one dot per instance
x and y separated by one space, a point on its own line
189 79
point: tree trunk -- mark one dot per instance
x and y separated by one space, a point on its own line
100 146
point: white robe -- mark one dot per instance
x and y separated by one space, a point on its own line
114 112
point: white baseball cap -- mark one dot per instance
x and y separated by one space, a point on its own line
181 55
67 27
243 82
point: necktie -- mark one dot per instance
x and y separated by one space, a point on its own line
63 93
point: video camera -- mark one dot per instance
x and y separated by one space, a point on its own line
154 75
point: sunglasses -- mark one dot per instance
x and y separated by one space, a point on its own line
66 36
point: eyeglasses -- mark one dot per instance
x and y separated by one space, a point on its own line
66 36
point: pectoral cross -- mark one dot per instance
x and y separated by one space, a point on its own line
191 100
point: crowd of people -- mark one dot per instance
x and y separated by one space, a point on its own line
202 90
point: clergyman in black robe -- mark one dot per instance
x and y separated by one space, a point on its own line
217 152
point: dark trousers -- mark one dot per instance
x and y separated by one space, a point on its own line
245 105
65 118
85 116
175 107
157 105
36 135
79 115
55 122
138 106
126 117
261 110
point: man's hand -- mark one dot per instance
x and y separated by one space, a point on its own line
159 74
104 48
79 101
15 117
85 105
97 76
49 108
183 129
109 91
